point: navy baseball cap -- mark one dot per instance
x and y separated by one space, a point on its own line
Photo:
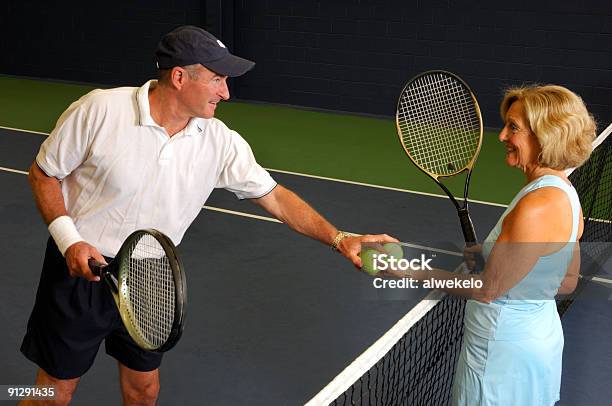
189 45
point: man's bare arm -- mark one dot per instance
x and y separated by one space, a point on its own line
301 217
47 194
50 203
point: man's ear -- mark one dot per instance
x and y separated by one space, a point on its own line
178 76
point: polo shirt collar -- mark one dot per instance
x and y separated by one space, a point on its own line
144 109
194 126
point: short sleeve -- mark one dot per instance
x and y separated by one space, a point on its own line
68 144
241 173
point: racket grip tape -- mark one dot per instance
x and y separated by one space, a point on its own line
467 227
101 270
95 266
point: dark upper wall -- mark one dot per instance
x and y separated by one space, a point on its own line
107 42
356 55
352 55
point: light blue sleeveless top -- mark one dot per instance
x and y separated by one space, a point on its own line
511 353
542 282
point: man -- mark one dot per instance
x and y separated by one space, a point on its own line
132 158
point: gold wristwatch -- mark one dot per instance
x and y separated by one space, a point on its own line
339 237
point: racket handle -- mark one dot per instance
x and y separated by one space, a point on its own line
101 270
467 227
95 266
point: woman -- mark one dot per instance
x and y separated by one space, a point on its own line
513 340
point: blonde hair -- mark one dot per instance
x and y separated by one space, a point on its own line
560 121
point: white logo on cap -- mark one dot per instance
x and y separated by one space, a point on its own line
220 44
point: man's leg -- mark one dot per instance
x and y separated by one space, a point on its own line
63 388
70 318
138 388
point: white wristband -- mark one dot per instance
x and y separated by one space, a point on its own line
64 233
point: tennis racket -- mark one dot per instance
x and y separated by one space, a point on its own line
148 284
440 127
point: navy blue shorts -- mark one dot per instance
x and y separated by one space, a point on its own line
71 318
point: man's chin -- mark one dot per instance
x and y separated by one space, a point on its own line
210 111
207 114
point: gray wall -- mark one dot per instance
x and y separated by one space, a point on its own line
356 55
350 55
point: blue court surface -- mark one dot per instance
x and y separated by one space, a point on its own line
273 316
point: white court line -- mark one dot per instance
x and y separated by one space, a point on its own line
273 220
350 182
242 214
602 280
22 130
2 168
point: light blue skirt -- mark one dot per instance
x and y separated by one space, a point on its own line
511 355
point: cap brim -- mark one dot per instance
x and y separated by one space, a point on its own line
230 65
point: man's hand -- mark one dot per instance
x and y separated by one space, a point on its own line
77 258
350 247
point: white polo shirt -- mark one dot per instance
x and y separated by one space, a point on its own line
121 171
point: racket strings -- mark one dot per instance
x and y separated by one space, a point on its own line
438 135
444 139
439 123
151 292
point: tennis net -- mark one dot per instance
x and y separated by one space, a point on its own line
593 182
414 362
